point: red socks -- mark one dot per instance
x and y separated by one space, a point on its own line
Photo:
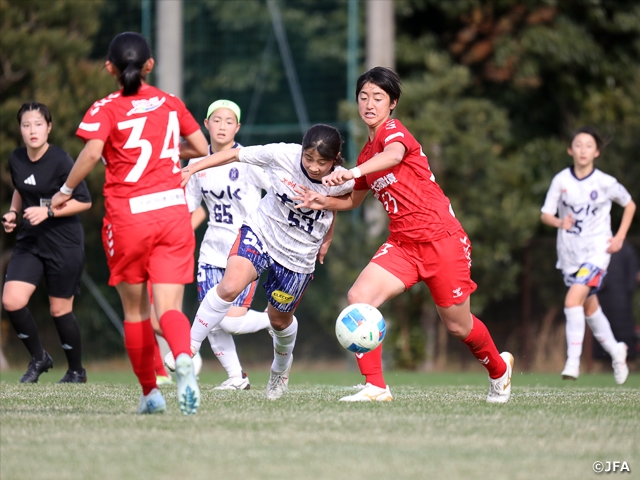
158 363
139 341
370 365
481 345
176 330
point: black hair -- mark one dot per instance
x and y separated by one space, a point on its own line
34 106
128 52
589 131
326 140
383 77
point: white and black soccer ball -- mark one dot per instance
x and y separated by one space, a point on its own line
360 328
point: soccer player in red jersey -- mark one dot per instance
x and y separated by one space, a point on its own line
426 241
147 231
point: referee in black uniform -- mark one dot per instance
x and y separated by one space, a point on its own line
50 244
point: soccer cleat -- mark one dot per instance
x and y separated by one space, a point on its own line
571 371
235 383
278 383
36 368
188 390
164 380
500 388
619 363
73 376
369 393
153 402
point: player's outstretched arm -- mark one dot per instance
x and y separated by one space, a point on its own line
326 242
317 201
391 156
615 244
88 158
215 160
194 145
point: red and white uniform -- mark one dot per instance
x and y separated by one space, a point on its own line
142 186
426 240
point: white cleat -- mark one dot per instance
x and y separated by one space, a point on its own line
278 383
619 363
500 388
571 371
369 393
153 402
188 390
170 362
163 380
235 383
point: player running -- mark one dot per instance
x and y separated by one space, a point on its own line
581 196
426 241
276 237
230 192
50 244
147 228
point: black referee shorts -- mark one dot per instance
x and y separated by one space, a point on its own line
61 267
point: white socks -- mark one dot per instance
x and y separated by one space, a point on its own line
222 343
601 329
283 343
575 334
211 312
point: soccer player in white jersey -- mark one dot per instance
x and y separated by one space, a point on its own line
276 237
230 192
578 204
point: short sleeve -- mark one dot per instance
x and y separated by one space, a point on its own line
261 155
553 197
617 193
96 123
259 178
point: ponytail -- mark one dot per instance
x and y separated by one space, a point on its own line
128 52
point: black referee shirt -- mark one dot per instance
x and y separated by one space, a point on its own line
37 182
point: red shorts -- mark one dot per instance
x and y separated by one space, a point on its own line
444 265
160 252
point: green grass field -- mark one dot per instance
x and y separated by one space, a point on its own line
438 427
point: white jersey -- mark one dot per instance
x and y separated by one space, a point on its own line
588 201
230 192
291 236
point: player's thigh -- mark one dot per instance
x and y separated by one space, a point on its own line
135 301
171 258
285 288
239 274
24 273
63 268
375 285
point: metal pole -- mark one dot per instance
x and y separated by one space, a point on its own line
169 42
352 72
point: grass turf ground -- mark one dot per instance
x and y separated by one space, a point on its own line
438 427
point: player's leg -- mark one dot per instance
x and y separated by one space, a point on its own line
602 332
24 272
285 289
575 326
162 376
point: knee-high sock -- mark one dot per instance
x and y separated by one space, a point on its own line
139 340
283 343
69 333
575 333
224 349
25 326
481 345
250 322
601 329
175 330
211 312
158 361
370 365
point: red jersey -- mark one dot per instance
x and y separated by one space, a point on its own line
417 207
141 152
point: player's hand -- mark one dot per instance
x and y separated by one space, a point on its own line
186 175
567 222
9 220
615 244
324 248
337 177
58 200
36 215
309 199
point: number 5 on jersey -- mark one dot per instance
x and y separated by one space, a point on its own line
170 148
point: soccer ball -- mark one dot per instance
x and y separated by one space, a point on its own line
360 328
170 362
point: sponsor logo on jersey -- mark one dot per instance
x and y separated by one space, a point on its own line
282 297
234 174
30 180
383 182
145 105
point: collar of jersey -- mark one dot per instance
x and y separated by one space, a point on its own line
573 173
235 145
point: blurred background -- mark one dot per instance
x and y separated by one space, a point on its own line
492 91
